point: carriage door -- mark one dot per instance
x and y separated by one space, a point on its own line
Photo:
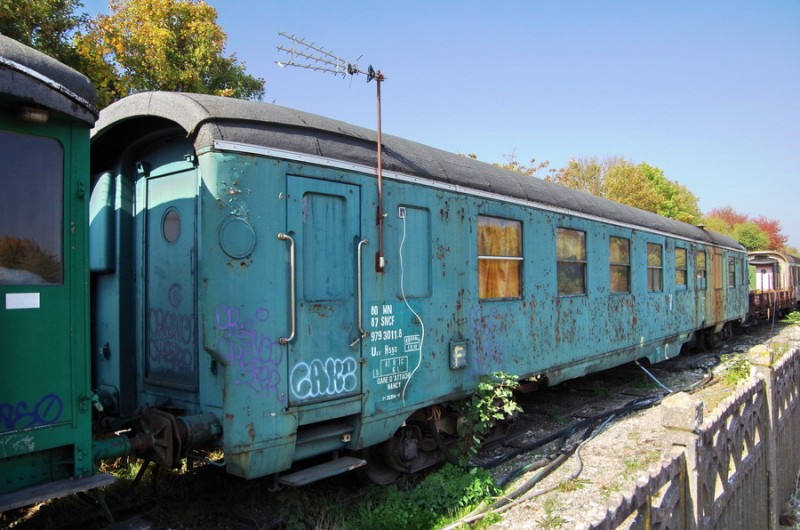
323 221
765 278
169 281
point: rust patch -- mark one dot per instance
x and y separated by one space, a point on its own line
251 431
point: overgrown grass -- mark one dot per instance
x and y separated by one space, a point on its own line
442 497
737 369
792 318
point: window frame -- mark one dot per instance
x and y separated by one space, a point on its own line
701 273
32 222
487 292
575 263
619 266
684 269
731 272
652 269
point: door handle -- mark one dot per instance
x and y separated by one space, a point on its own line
360 312
292 289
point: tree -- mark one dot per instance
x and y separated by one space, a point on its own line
773 229
751 236
46 25
642 186
164 45
514 165
677 202
724 219
761 231
584 174
627 184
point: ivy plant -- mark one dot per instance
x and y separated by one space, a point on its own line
492 403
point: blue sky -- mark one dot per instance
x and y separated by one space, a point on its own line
708 91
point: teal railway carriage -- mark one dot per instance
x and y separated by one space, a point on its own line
46 113
253 279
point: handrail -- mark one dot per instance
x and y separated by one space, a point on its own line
361 331
293 288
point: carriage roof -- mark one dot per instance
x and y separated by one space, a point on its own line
32 76
206 119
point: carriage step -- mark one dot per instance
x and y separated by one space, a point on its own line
53 490
324 431
321 471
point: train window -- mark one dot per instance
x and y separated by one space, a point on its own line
31 232
681 272
731 272
619 250
655 267
571 262
700 267
499 258
171 225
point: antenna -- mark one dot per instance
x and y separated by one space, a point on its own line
310 56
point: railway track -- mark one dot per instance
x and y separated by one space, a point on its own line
552 418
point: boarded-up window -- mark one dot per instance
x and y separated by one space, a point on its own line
718 270
416 253
680 267
499 258
655 267
571 262
619 251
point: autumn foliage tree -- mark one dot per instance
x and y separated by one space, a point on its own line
639 185
760 233
167 45
140 45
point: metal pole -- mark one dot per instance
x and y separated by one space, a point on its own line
380 261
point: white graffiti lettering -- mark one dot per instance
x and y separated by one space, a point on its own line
324 378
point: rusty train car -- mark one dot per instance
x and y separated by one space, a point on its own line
256 285
252 273
774 283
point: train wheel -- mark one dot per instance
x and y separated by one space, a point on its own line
377 470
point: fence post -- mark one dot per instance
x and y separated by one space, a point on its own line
681 416
762 358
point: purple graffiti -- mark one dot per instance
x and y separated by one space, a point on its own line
174 295
171 341
256 355
46 411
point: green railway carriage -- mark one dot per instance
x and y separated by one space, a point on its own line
46 113
254 282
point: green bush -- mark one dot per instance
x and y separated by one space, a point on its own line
792 318
432 503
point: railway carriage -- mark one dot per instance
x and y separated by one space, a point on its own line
255 281
46 113
774 283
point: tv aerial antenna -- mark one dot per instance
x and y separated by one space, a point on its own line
309 56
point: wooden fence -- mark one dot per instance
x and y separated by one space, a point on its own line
734 470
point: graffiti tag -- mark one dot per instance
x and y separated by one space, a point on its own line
324 378
255 354
46 411
171 340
